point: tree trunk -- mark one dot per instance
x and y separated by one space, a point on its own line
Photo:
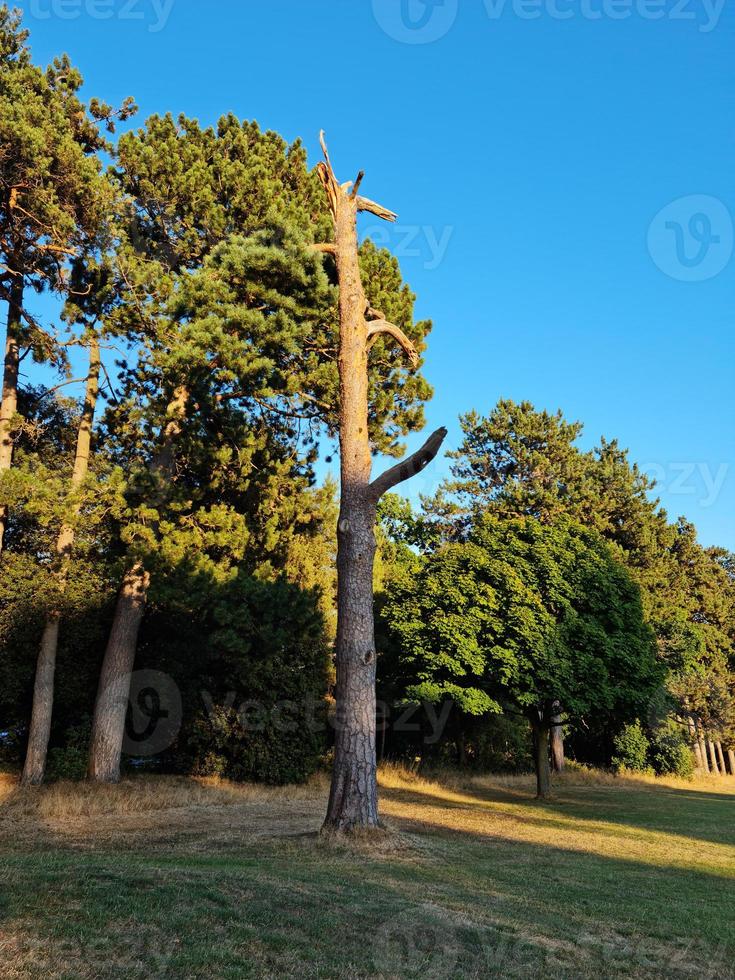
731 760
713 758
695 743
353 799
702 747
43 689
721 758
108 723
541 758
9 405
557 740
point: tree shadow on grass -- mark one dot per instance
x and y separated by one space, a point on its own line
701 815
467 903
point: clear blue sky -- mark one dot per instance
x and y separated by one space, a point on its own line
528 156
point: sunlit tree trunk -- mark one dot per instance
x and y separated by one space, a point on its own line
557 740
353 799
108 724
695 743
43 689
721 758
702 747
731 760
713 758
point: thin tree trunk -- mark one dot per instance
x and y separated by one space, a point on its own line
713 758
108 723
541 729
702 747
353 799
9 405
43 689
557 740
721 758
695 743
731 760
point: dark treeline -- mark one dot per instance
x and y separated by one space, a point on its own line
167 576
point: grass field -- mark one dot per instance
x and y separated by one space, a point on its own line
172 878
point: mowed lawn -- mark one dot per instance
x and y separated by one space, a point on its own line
173 878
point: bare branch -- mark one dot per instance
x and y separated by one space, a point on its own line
56 248
110 385
408 467
378 327
328 248
365 204
50 391
325 151
358 181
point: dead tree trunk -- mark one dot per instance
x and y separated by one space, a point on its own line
353 800
557 740
108 723
9 405
43 690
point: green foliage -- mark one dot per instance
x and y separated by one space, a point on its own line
539 573
631 749
70 760
254 692
521 614
55 199
669 751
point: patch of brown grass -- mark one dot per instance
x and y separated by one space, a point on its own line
202 812
71 800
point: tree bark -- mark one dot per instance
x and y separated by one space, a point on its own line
541 727
713 758
695 743
353 798
731 760
9 405
557 740
43 689
108 723
702 747
721 758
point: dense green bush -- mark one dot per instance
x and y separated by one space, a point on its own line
669 752
251 664
631 749
70 760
